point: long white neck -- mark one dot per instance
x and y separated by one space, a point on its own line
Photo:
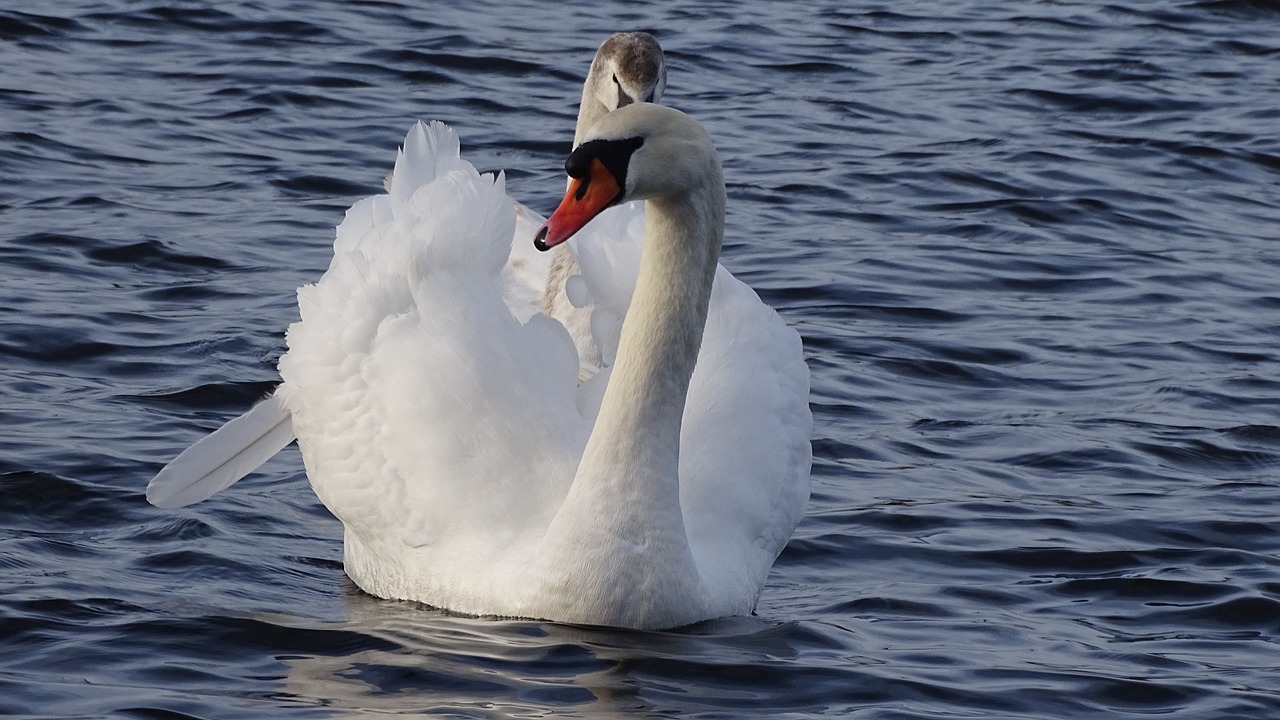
590 109
553 302
630 563
640 416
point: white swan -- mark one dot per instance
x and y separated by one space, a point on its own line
469 469
629 67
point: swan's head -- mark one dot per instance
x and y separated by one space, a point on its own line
628 68
638 152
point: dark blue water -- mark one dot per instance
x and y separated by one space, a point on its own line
1033 249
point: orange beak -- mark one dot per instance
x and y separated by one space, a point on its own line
587 197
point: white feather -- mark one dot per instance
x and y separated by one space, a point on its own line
228 454
241 446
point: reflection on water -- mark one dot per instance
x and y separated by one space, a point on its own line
408 658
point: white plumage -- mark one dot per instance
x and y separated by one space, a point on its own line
448 435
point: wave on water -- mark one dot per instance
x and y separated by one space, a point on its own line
1030 249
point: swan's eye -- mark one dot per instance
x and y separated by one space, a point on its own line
623 98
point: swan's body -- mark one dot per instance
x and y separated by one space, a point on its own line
470 470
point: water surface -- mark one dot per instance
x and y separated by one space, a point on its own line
1031 248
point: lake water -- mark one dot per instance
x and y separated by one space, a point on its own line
1032 248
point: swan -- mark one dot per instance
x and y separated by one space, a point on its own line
628 67
469 468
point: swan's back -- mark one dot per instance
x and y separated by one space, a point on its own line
745 454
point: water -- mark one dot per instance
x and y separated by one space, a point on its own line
1031 247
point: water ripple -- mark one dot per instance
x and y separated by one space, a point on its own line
1029 247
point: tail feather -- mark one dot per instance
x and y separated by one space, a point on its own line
228 454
